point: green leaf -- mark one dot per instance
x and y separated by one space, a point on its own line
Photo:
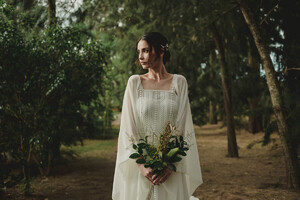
160 154
165 164
172 152
146 139
142 145
134 146
140 151
151 161
172 167
182 153
134 155
177 143
140 161
176 159
158 164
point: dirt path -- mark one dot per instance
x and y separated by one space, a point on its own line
258 174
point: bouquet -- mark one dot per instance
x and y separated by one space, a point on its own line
163 153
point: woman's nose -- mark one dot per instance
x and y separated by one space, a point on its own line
141 57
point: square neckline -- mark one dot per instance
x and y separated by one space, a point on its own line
168 90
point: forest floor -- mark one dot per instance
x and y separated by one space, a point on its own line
258 174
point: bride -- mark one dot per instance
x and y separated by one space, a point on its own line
151 101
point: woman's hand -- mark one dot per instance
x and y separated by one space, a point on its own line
157 180
147 172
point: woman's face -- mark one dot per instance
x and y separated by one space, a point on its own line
147 58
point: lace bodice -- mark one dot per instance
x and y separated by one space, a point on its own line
155 108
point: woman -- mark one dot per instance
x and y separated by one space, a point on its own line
151 101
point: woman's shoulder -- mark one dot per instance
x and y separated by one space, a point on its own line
133 81
133 78
180 83
180 79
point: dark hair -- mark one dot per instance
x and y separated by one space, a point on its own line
158 42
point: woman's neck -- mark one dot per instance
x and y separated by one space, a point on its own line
158 73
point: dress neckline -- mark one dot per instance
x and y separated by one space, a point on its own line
169 90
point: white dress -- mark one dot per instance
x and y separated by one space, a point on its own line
145 112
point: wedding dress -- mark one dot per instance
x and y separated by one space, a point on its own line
147 112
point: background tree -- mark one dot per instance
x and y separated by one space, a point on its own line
46 79
232 145
212 80
292 163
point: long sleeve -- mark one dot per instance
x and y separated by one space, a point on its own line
127 136
127 132
190 165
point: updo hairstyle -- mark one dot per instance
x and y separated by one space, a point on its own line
158 42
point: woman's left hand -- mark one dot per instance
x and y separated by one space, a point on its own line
157 180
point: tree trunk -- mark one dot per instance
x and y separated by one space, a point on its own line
212 112
291 160
51 13
212 104
232 145
28 4
255 119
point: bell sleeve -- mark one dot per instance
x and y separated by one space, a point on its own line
190 164
126 167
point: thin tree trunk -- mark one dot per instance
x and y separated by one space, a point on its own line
212 112
28 4
255 119
212 104
291 160
51 13
232 145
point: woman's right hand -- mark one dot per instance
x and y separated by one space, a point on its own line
146 172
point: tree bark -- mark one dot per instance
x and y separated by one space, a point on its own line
51 13
255 119
212 104
212 112
232 145
28 4
291 159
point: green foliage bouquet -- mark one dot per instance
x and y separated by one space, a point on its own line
164 154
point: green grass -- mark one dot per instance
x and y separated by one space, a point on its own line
92 145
